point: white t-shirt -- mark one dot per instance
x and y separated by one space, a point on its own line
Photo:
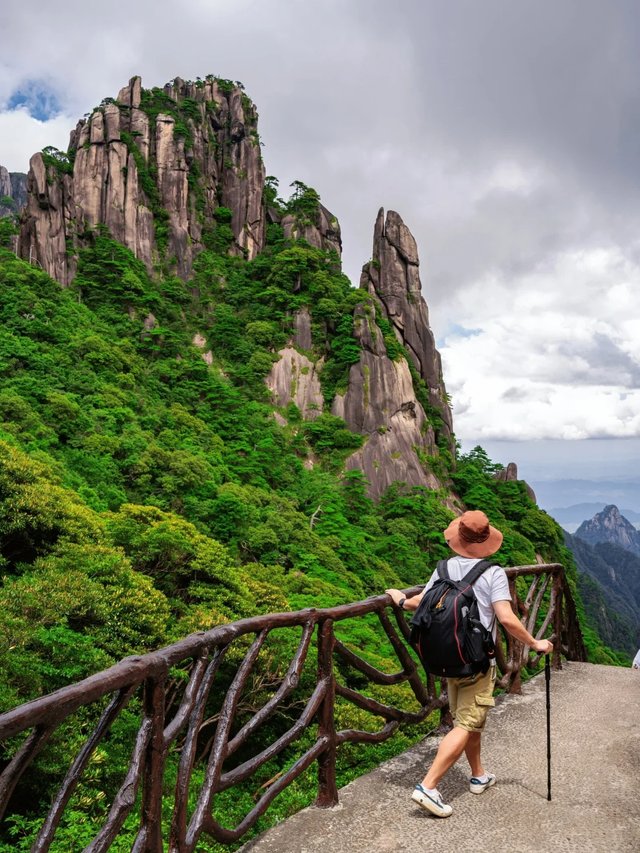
491 586
636 660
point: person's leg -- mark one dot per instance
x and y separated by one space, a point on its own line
469 700
451 748
472 751
484 700
467 720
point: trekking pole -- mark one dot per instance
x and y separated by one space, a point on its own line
547 678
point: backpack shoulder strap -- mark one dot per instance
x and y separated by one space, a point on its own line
473 574
443 569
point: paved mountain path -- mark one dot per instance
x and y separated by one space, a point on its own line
595 725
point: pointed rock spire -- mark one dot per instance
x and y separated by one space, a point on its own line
406 423
392 278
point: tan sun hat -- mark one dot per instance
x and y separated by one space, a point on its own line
471 535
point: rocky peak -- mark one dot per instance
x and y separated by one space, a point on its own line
510 474
320 230
610 526
13 191
394 395
5 182
393 280
153 166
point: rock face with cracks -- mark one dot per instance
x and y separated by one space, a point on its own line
152 166
322 232
294 379
392 278
380 402
13 191
155 166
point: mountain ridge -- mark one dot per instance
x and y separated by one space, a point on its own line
577 513
609 582
612 527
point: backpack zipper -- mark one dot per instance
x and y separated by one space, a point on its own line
455 610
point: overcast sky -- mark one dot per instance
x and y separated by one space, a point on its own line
506 133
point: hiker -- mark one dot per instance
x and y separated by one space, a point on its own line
472 539
636 660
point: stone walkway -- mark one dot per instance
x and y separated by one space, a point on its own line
595 722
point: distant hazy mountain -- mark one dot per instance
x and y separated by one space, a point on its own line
609 583
577 513
567 492
612 527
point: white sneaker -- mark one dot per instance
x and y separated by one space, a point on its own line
477 786
430 803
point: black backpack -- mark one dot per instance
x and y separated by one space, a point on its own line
446 630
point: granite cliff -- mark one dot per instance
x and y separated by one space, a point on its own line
13 191
392 278
159 168
153 166
405 429
162 171
395 394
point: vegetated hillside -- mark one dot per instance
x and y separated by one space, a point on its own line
126 454
146 494
150 487
609 582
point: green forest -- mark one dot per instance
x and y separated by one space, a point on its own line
146 494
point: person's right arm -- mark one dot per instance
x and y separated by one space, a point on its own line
511 623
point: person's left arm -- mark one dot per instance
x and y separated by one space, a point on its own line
409 603
413 602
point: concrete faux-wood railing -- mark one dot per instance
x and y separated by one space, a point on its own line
540 595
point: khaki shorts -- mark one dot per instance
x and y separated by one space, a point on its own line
470 699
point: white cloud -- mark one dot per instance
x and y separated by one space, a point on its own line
20 133
556 356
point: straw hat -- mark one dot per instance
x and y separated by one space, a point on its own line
471 535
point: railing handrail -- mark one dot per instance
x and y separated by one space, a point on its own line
135 668
204 651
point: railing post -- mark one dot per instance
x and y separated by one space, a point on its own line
515 646
558 620
327 788
446 720
149 839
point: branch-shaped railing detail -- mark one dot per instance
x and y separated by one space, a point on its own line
171 728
